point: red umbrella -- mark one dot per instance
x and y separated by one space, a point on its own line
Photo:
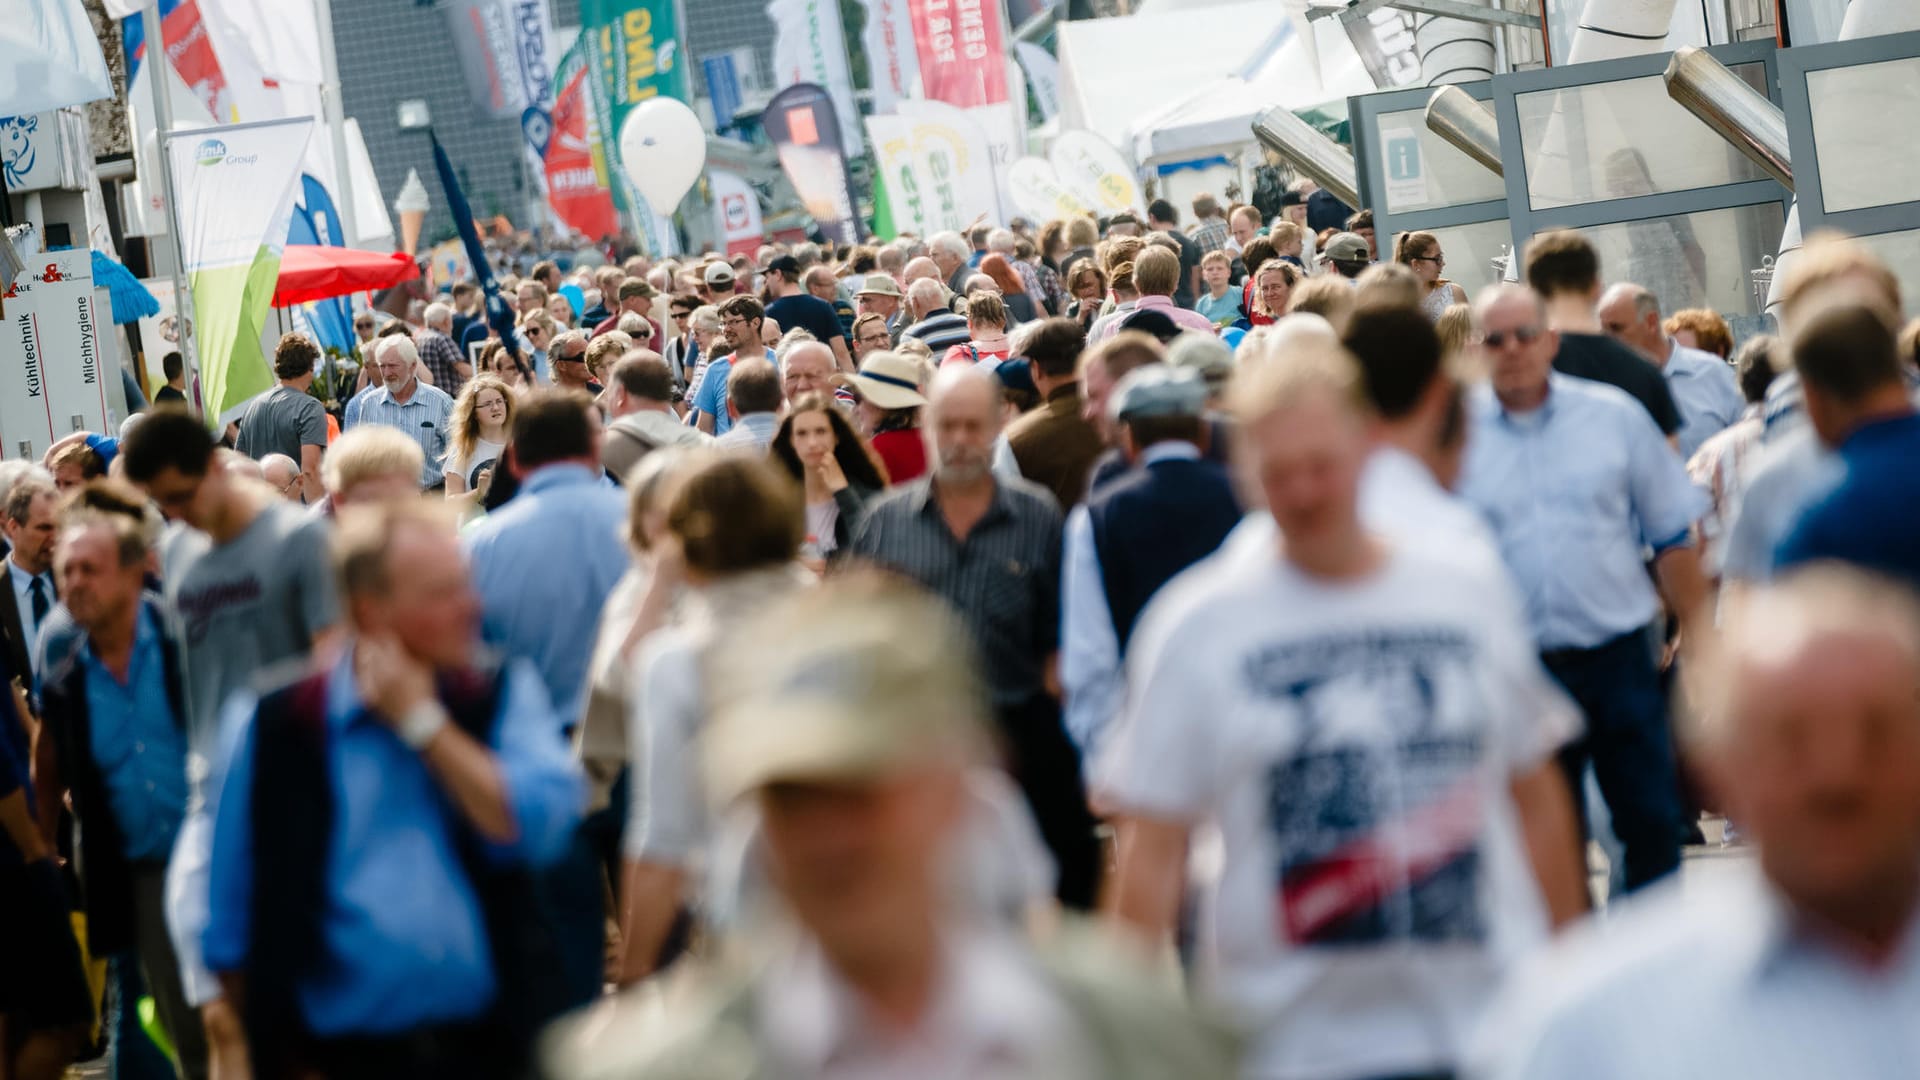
308 272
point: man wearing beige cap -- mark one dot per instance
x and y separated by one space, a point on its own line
881 295
849 716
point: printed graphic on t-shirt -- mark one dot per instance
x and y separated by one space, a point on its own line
1377 812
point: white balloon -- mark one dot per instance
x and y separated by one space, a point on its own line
663 148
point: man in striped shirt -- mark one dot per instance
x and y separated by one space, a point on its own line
402 401
933 323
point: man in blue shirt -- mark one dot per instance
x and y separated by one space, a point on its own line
116 744
403 402
1702 384
793 306
740 321
1576 482
1858 403
543 566
372 823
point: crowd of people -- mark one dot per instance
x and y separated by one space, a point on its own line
1107 650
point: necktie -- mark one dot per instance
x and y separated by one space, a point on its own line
41 604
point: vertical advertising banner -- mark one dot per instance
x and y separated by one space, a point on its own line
805 131
575 163
809 46
482 39
959 155
962 60
633 55
235 186
893 60
53 380
736 212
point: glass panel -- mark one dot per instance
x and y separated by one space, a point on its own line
1863 118
1424 171
1901 251
1617 140
1704 259
1470 251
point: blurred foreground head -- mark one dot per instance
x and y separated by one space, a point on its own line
851 712
1811 726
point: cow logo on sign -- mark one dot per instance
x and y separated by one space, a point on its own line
17 149
733 208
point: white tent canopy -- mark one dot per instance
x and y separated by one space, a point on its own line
1150 84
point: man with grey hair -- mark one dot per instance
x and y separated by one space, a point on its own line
1702 384
437 350
417 410
1804 963
807 255
990 546
932 323
12 472
950 252
807 368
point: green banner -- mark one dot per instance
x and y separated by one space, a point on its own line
230 305
633 49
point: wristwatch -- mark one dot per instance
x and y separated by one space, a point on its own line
421 724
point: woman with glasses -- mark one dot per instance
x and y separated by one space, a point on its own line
834 466
1420 252
538 328
481 420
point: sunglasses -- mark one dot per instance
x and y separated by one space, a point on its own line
1437 260
1524 335
577 358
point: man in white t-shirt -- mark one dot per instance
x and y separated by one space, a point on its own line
1373 743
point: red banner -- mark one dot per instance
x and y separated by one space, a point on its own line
962 59
573 184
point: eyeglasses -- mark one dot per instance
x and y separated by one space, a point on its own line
1437 260
735 320
876 339
494 403
1524 335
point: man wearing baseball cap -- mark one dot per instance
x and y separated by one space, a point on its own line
881 295
1348 254
719 280
849 716
635 295
790 305
1172 509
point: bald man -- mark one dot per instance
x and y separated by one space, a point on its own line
283 474
807 369
1806 964
992 550
1703 385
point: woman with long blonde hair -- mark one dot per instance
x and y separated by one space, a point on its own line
481 423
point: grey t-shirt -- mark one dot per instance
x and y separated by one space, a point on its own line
281 421
246 605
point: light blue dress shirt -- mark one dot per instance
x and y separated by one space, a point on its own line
139 744
1089 645
424 419
22 584
754 431
1705 391
402 931
1574 491
1716 981
543 566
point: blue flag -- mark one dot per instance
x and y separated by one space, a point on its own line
499 316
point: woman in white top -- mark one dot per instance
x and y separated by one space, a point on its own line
1420 252
736 525
481 421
